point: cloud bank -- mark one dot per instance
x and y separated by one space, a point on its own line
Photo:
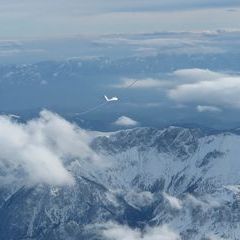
38 151
207 88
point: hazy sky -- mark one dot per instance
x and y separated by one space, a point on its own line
54 18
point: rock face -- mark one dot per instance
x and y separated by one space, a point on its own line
178 177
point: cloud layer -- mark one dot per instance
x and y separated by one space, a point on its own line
38 151
53 18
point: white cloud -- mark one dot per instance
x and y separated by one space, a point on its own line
37 151
125 122
142 83
173 201
201 108
118 232
195 201
114 231
196 74
207 88
139 199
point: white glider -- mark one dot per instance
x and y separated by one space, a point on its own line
110 99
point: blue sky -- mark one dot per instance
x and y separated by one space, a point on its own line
45 19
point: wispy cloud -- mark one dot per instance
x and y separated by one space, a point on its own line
173 201
196 74
201 109
206 202
209 91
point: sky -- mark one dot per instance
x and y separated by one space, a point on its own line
56 18
183 53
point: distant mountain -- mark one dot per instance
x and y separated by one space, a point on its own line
73 86
97 71
177 176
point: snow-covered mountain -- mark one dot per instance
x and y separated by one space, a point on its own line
179 177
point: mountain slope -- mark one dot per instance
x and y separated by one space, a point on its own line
175 176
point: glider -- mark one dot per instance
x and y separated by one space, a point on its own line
110 99
106 101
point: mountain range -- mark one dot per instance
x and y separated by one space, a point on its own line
185 179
